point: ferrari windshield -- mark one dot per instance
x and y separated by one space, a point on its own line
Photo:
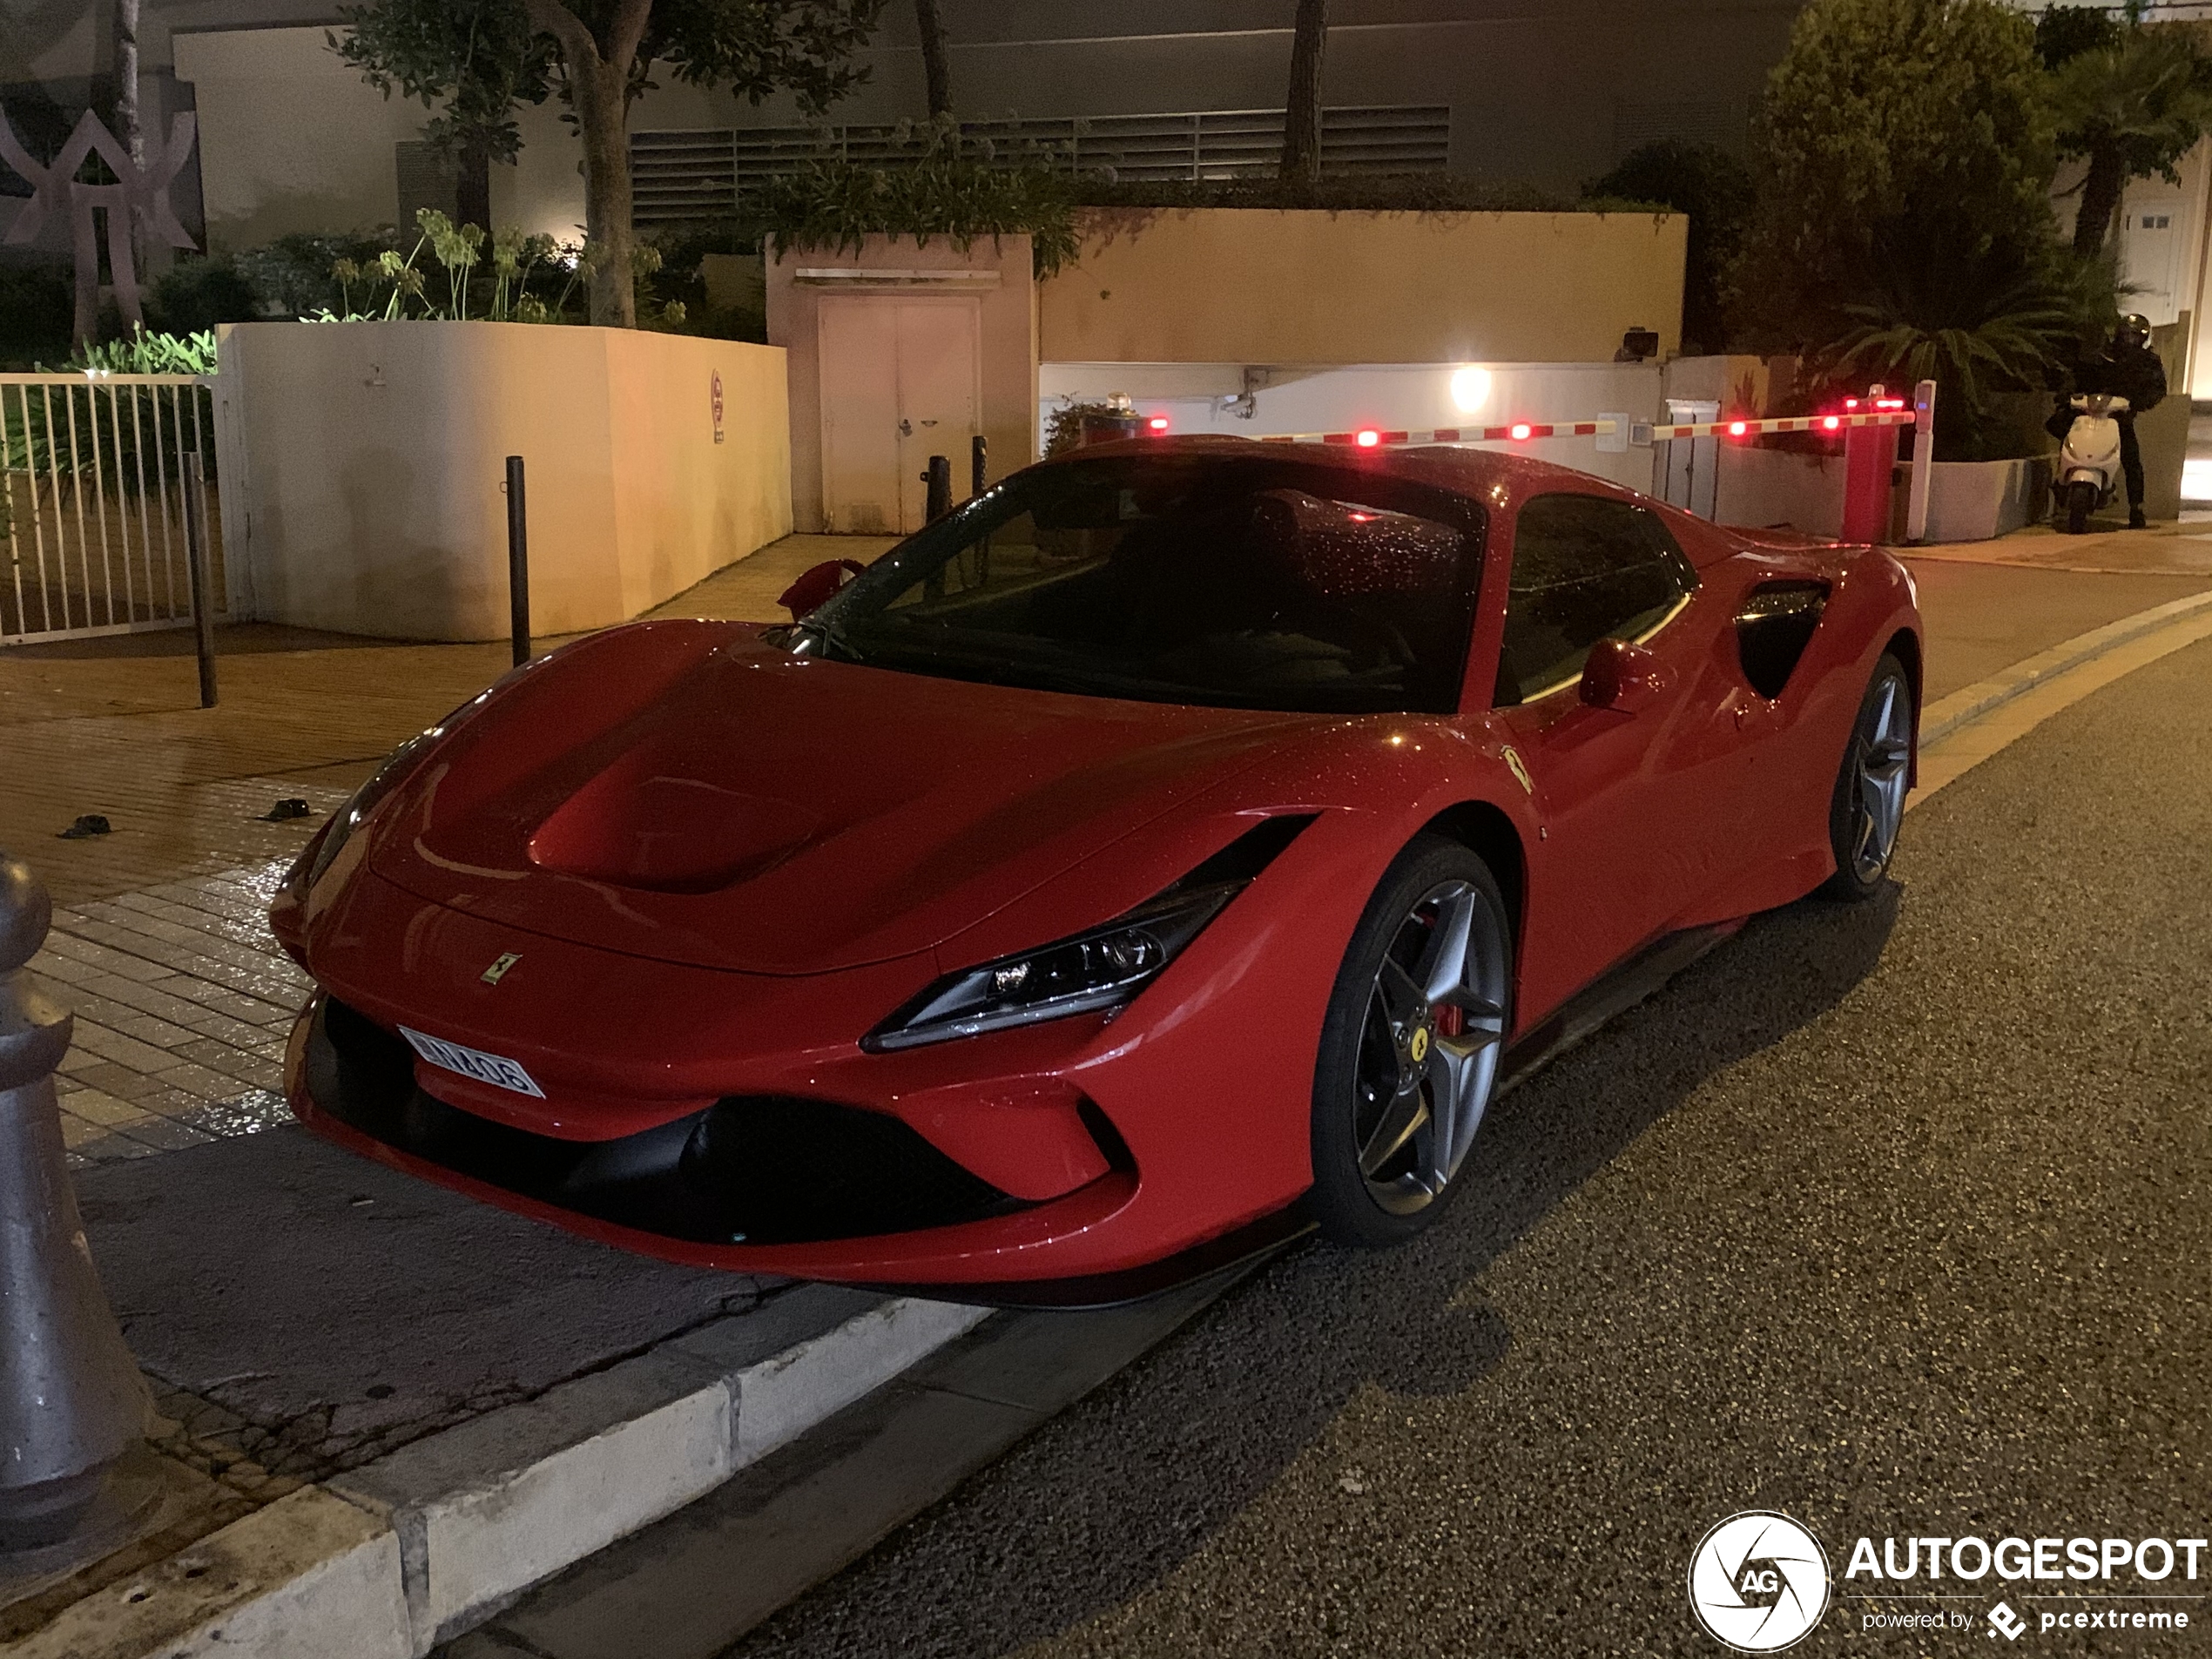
1249 581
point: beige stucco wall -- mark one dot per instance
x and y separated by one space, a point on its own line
1010 346
363 463
1257 286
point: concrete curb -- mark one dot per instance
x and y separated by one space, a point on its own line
1962 707
388 1560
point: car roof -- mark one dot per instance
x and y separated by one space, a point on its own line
1466 472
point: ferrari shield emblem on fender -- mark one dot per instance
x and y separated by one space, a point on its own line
497 971
1520 772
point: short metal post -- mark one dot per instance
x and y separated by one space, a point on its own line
978 460
71 1401
940 480
518 562
200 571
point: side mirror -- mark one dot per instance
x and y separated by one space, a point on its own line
816 587
1622 677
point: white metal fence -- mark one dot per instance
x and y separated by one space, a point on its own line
93 502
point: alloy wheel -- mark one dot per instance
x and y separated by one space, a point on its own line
1429 1048
1883 755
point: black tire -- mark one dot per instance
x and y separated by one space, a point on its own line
1452 1066
1876 749
2081 502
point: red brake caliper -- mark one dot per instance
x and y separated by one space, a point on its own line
1450 1021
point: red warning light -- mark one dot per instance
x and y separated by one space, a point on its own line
1829 422
1157 423
1850 402
1367 437
1889 402
1518 431
1736 428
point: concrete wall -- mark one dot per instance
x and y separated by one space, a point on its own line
1009 344
1256 285
1195 397
362 468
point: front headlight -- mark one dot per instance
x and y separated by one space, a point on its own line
1101 970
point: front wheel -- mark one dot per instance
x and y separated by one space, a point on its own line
1411 1045
1868 806
2081 502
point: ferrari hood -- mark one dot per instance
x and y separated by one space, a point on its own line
682 793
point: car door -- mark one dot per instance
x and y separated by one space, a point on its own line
1608 872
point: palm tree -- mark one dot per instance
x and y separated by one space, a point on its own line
937 74
2130 108
1301 167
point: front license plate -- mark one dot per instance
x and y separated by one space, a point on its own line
494 1069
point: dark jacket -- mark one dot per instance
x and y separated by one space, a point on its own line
2134 372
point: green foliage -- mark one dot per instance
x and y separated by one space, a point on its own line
1893 129
292 276
36 309
1063 428
197 293
2131 108
1713 188
145 353
940 183
2066 32
472 61
1901 224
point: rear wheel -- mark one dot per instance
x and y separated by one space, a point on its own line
1411 1046
2081 502
1869 803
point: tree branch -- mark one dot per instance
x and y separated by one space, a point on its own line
552 18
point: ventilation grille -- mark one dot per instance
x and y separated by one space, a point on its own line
697 174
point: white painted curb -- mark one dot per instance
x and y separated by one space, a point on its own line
1946 715
387 1560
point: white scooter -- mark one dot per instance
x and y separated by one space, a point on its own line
2088 470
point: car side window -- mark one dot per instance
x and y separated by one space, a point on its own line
1585 568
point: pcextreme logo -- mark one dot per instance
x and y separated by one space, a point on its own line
1758 1582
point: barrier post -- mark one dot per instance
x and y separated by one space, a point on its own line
1870 469
71 1401
978 460
200 571
940 480
1915 496
518 562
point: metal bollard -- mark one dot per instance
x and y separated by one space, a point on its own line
200 570
518 562
979 457
71 1400
940 480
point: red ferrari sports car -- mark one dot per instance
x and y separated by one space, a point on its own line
1177 846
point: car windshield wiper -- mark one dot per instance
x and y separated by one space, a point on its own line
832 637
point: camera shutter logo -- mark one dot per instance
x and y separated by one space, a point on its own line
1758 1582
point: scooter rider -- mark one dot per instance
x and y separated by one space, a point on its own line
2131 369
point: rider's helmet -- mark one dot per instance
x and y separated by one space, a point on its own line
2133 330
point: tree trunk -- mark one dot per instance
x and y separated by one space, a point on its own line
1301 167
602 105
2100 193
472 185
936 72
599 91
127 130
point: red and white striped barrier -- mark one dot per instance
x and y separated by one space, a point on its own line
1747 429
1518 432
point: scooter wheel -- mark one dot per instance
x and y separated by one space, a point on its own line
2080 500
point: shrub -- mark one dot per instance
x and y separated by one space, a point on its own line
197 293
37 306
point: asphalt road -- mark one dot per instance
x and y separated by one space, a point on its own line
1893 1219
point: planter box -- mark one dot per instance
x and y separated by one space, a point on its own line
1975 501
363 468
